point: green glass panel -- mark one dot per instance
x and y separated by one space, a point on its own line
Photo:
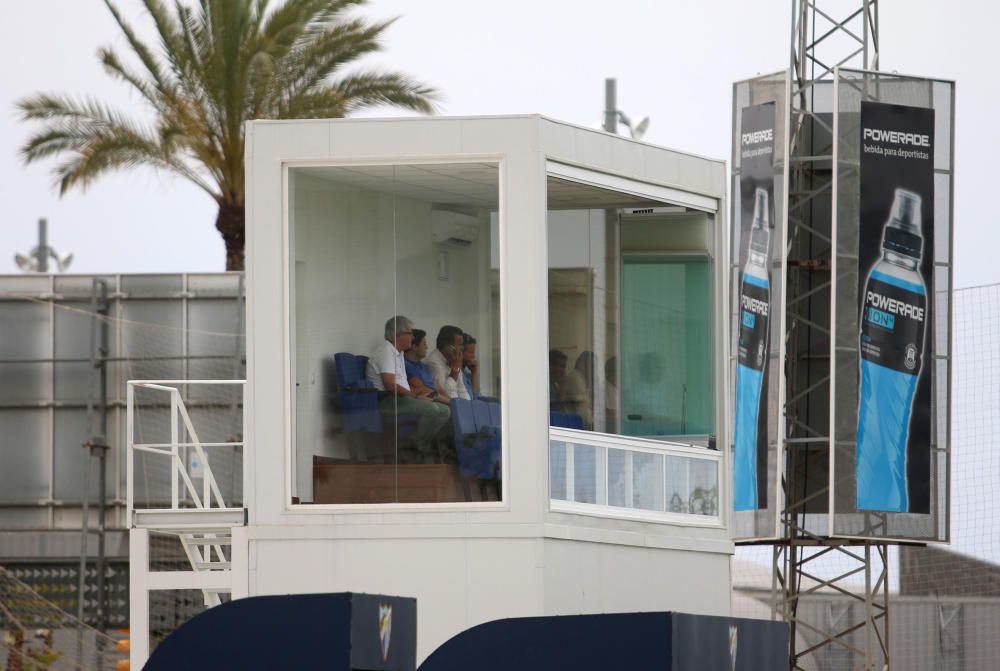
666 345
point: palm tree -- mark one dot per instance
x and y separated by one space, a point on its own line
218 65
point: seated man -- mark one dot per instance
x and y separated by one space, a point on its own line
557 380
387 372
470 365
418 373
446 363
578 389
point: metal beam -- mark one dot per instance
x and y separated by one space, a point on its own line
822 38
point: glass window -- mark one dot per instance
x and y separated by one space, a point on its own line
666 346
630 322
395 331
631 374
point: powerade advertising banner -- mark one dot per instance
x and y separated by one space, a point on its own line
756 223
895 266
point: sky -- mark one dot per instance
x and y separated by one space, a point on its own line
674 61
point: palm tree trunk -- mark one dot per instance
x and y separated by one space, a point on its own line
230 223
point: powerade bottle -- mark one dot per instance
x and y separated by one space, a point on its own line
750 441
893 314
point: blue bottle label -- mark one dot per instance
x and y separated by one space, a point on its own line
755 310
892 339
892 323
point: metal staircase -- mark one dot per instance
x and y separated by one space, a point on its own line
196 514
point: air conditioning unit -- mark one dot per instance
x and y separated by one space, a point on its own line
453 228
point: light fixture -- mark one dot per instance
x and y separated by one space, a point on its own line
62 260
613 115
37 260
636 130
25 262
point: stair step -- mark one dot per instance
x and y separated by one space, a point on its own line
188 520
211 565
189 541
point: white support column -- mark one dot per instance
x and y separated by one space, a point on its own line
129 455
240 558
175 460
138 591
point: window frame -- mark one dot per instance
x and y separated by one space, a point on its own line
288 326
713 207
710 262
606 441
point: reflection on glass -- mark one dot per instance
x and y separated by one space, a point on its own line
557 470
630 332
704 496
395 326
585 481
634 479
618 465
678 485
647 481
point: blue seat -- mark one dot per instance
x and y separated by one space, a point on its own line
357 400
565 420
494 413
481 413
477 444
488 424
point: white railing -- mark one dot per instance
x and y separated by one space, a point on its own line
635 478
182 439
197 516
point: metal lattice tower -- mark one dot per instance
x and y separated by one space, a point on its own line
825 34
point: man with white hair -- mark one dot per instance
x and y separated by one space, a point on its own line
386 371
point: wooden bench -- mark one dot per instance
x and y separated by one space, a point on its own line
345 482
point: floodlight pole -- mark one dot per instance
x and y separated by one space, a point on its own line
42 250
816 36
611 105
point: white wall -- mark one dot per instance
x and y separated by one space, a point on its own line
457 582
460 582
586 577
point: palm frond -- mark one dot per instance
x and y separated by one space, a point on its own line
114 66
114 151
370 89
97 137
217 64
319 54
144 53
44 106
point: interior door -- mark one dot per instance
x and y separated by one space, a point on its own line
666 345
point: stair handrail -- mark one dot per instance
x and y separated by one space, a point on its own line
179 416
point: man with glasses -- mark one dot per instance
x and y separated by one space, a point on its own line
386 371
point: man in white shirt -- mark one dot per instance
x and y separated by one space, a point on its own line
386 371
446 363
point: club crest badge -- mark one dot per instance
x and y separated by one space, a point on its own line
385 628
733 642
